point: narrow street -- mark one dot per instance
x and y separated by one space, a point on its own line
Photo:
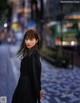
59 85
55 26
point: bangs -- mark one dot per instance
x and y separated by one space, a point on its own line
31 35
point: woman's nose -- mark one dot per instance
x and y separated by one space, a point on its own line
28 41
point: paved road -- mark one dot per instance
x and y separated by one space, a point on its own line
7 81
59 85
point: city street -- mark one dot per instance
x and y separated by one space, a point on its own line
53 25
59 85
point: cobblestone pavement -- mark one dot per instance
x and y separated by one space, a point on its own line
60 85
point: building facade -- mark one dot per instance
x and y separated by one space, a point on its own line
51 8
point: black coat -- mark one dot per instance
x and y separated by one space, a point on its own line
29 84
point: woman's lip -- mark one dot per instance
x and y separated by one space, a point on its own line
28 45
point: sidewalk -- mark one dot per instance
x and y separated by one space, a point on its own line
60 85
7 81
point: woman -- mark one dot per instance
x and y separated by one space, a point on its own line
28 89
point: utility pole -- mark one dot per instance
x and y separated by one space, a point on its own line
41 21
42 9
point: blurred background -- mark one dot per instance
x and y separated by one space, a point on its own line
58 24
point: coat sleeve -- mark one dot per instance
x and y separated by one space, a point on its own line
36 71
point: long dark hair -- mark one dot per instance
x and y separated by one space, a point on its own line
23 50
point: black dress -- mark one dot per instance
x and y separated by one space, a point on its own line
29 84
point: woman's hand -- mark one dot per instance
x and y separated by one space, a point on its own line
41 95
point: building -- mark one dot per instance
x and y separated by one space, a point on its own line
51 8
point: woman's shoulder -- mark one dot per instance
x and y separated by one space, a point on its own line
34 53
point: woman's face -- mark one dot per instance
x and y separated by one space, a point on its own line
30 42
